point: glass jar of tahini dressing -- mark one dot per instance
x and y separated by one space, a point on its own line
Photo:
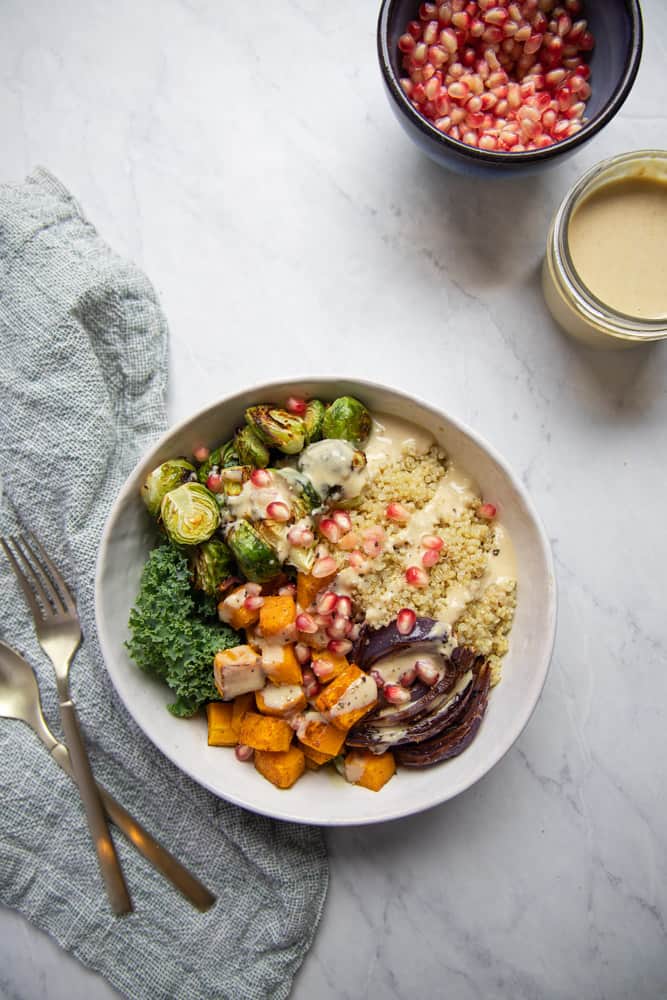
605 270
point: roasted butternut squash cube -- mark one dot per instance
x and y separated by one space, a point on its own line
311 765
319 735
233 612
330 660
315 757
347 698
280 699
308 587
237 671
277 616
244 703
262 732
280 664
282 768
220 730
368 769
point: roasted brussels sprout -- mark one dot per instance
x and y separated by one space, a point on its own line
305 497
251 449
313 418
256 559
211 563
234 477
222 458
160 481
277 428
189 514
348 419
336 470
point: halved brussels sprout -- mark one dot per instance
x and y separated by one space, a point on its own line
305 497
336 469
160 481
277 428
251 449
189 514
211 563
348 419
234 477
256 559
222 458
313 418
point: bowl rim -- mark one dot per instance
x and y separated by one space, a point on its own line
590 129
264 390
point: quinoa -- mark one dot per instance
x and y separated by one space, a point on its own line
380 587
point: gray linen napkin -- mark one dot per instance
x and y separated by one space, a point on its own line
82 394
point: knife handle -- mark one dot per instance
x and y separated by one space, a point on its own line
110 868
145 843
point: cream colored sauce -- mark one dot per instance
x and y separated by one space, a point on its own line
618 243
389 734
391 668
329 464
391 437
354 768
454 493
252 501
279 697
360 693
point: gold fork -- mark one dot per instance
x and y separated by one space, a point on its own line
59 634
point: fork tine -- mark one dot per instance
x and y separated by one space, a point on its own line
64 592
40 584
37 612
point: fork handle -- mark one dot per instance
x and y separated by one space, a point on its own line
165 862
92 803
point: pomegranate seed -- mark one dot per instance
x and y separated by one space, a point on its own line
406 43
427 11
329 529
326 566
338 628
327 603
356 559
289 590
373 541
420 52
577 110
322 669
311 687
253 603
378 678
431 32
354 632
445 13
415 29
296 405
349 541
564 25
406 620
461 20
260 477
487 511
215 482
344 607
278 511
306 623
415 575
488 142
342 519
432 542
408 677
244 753
497 15
253 588
448 41
430 558
533 44
201 453
437 56
340 647
395 694
426 672
397 512
302 652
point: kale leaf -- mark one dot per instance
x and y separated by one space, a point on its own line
171 637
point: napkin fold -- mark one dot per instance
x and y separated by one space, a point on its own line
83 363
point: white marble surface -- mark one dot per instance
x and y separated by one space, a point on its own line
248 160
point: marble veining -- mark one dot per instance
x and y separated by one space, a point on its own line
247 158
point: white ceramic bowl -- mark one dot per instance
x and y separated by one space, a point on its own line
324 798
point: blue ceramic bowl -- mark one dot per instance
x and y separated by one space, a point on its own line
617 27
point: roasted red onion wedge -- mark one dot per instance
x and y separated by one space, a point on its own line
374 644
454 739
